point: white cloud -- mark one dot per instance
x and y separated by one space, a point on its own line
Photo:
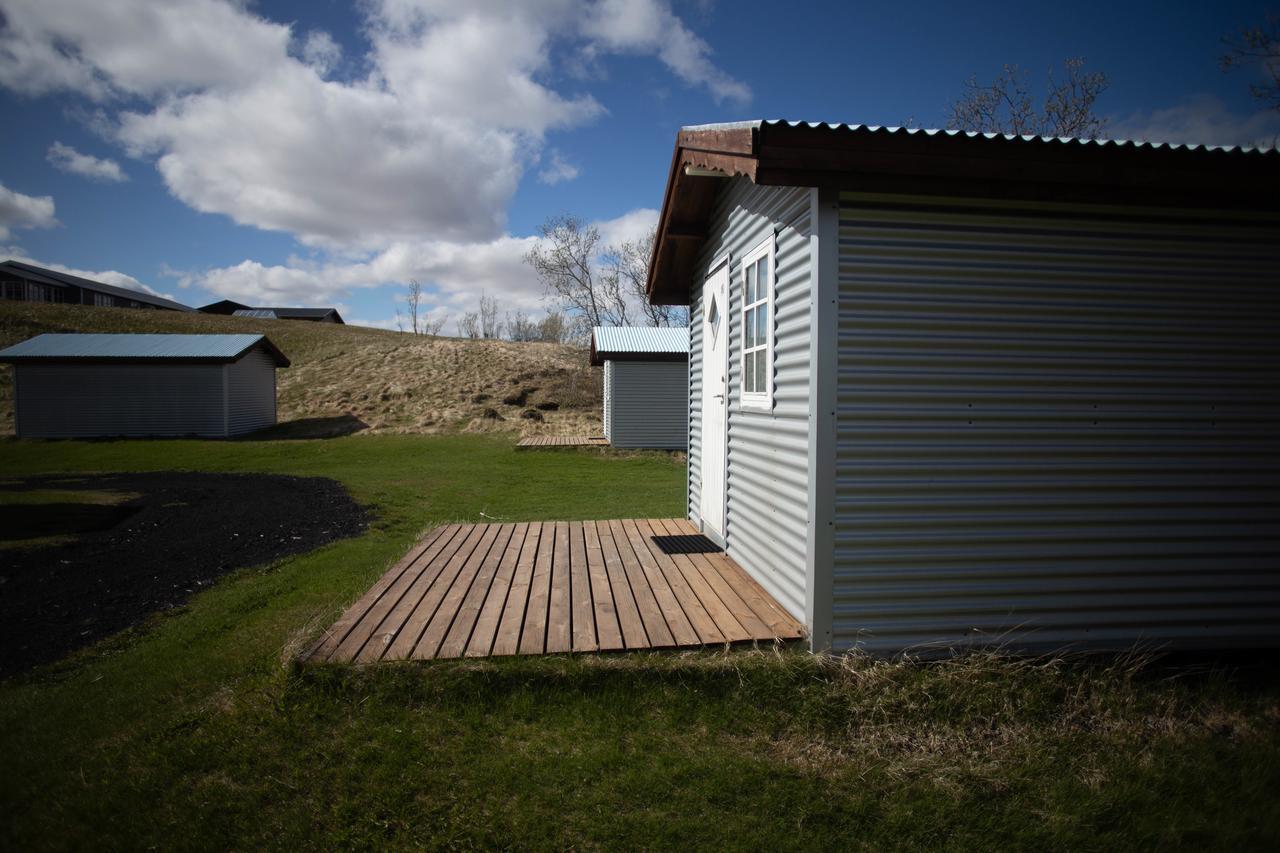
648 26
557 170
321 52
431 143
633 225
24 211
1203 120
68 159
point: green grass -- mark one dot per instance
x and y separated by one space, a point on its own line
197 732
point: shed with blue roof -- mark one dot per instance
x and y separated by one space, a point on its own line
96 386
646 385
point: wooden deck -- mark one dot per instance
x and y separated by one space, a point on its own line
474 590
533 441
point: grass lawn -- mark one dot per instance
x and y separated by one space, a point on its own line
196 732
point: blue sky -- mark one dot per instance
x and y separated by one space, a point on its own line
327 152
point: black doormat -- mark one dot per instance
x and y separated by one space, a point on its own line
686 544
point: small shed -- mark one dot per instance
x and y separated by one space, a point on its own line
953 389
646 385
90 386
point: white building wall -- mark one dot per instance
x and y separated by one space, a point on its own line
1057 425
766 486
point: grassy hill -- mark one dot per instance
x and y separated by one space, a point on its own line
393 382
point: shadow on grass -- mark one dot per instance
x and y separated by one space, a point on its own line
309 428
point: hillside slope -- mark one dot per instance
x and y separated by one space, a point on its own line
390 381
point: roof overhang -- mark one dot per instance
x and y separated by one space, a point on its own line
876 159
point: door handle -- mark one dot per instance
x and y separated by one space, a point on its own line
718 396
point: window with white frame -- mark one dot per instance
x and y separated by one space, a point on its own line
757 327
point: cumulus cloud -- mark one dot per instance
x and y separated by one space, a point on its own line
24 211
68 159
431 143
456 273
321 52
1202 120
557 170
649 27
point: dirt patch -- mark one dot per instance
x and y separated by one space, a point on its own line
175 534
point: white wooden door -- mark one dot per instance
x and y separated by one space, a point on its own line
715 392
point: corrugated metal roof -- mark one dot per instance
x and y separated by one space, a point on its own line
640 339
258 313
55 277
94 347
914 131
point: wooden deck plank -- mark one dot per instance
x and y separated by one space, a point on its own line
414 623
533 639
608 631
678 625
507 641
655 625
332 638
582 609
699 620
446 609
535 588
468 611
534 441
730 628
624 603
559 613
371 639
481 642
783 625
753 624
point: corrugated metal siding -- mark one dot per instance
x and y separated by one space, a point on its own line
608 406
767 501
251 393
80 401
647 404
1057 425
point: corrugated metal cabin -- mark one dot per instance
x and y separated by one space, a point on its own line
91 386
646 385
314 315
952 390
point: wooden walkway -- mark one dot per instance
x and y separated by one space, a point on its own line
532 441
473 590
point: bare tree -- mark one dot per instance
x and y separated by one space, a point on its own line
413 301
1007 105
469 325
434 326
490 325
553 328
521 328
1257 46
565 261
628 265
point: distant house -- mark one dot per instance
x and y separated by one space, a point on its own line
27 283
89 386
646 385
236 309
952 389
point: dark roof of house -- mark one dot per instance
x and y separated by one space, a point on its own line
138 348
227 306
305 313
639 343
62 279
933 162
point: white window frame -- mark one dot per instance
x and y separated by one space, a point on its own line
757 401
